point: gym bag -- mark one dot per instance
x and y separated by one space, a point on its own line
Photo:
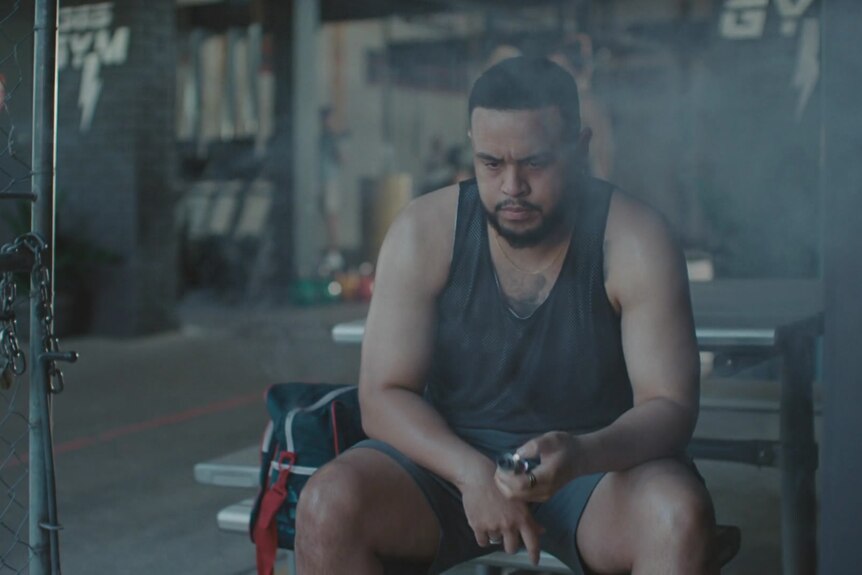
309 425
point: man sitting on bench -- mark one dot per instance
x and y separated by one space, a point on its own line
533 309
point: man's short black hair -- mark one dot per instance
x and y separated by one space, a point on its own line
529 83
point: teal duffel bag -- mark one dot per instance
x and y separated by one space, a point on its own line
310 424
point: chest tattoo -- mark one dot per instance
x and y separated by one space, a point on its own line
525 294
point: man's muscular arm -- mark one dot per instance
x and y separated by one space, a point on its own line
647 282
412 269
397 346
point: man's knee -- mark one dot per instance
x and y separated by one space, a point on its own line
330 504
679 509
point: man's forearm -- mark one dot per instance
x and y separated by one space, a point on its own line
404 420
654 429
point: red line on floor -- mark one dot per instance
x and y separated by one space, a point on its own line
158 422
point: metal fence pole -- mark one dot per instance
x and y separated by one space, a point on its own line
43 514
799 457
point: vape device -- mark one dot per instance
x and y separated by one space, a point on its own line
516 464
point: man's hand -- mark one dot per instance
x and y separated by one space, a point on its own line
492 516
558 453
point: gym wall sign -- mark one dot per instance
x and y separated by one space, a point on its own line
746 19
88 40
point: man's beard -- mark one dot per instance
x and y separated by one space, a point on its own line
532 237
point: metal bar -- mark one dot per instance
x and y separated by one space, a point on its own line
729 337
707 338
305 132
43 513
66 356
29 196
798 461
16 262
841 240
757 452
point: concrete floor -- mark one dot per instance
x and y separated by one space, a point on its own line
137 415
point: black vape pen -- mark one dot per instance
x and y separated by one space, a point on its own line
516 464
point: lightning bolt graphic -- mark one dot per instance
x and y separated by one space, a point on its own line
91 87
807 63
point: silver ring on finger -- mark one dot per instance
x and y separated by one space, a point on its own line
495 539
531 476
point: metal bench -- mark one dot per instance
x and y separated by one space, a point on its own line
235 518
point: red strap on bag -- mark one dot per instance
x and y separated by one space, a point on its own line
334 421
266 529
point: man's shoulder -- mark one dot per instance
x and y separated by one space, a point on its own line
432 215
423 234
631 221
640 247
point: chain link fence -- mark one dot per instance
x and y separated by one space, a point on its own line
14 433
16 41
28 517
15 98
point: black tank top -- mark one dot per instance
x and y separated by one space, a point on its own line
499 379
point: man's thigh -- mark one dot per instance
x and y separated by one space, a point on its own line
368 492
454 539
627 506
560 517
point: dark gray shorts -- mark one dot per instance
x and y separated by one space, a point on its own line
559 515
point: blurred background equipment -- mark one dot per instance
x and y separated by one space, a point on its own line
688 94
708 110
